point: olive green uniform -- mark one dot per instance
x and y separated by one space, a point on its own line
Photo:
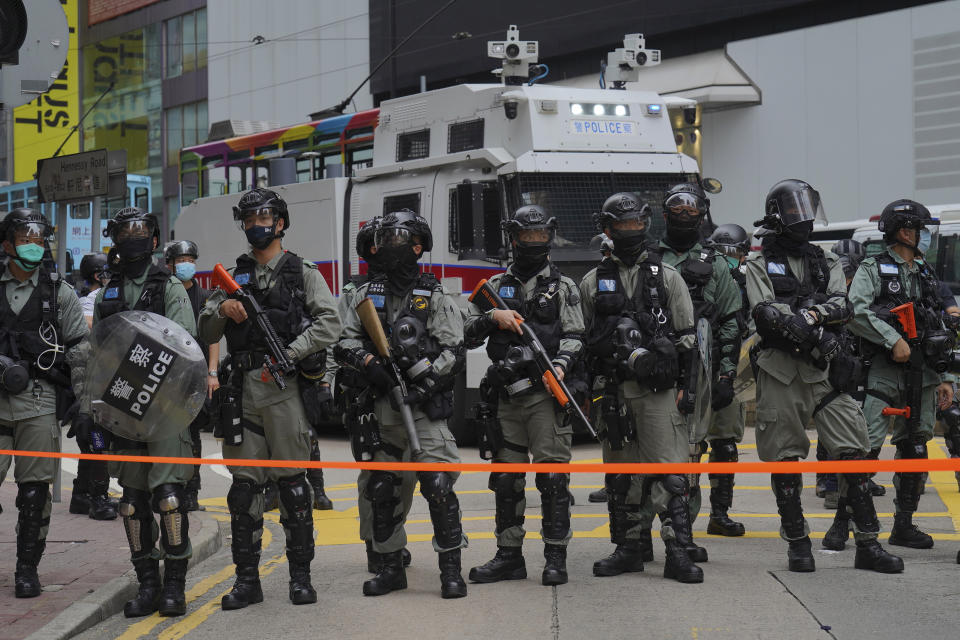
661 433
445 324
789 388
145 476
28 419
531 423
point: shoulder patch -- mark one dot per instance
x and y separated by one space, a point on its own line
606 285
889 269
777 268
112 293
507 292
378 300
242 278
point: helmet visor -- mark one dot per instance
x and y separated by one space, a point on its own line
133 230
732 250
685 205
393 237
262 217
28 232
541 236
797 206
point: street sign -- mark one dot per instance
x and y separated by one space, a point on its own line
79 176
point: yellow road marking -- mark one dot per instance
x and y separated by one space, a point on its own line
945 484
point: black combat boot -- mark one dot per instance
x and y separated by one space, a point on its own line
646 545
721 498
837 535
786 489
679 564
555 569
246 590
31 499
870 555
390 576
148 591
301 591
172 601
320 500
451 582
191 501
626 558
507 564
101 506
373 558
906 534
79 499
600 495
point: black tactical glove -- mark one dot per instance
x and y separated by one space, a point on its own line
325 400
722 394
422 391
89 436
797 330
378 376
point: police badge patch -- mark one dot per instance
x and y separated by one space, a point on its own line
607 285
777 268
242 278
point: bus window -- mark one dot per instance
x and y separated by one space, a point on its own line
263 174
214 177
306 168
235 179
332 166
32 200
359 158
141 198
189 188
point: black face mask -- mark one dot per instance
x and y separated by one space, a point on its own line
135 254
529 261
796 237
682 238
260 237
628 245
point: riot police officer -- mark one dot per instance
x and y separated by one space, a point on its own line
89 494
717 298
354 398
296 300
138 284
40 316
639 338
181 257
426 341
798 301
529 425
896 277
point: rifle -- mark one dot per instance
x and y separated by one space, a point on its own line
371 324
280 364
914 392
486 298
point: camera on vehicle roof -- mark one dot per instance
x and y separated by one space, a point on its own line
513 49
624 63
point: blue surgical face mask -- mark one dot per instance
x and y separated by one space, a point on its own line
29 256
923 241
732 262
185 271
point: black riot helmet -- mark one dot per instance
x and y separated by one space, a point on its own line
93 266
531 233
904 214
851 254
131 220
257 215
365 238
403 226
25 220
179 248
791 203
685 206
731 240
625 219
602 243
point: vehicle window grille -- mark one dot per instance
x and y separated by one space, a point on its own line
463 136
402 201
413 145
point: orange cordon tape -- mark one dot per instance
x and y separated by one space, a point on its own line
830 466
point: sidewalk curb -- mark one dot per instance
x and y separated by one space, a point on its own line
109 599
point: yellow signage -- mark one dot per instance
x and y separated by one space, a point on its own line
42 124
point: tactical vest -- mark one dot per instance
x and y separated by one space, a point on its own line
788 289
697 270
20 334
151 298
928 303
409 338
648 306
283 302
541 312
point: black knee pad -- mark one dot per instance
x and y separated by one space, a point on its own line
381 486
135 504
551 484
724 450
675 485
503 484
435 485
32 495
617 483
166 498
241 493
138 523
295 493
912 449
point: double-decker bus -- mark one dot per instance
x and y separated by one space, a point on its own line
78 216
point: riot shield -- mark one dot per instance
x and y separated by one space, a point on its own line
146 378
701 375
